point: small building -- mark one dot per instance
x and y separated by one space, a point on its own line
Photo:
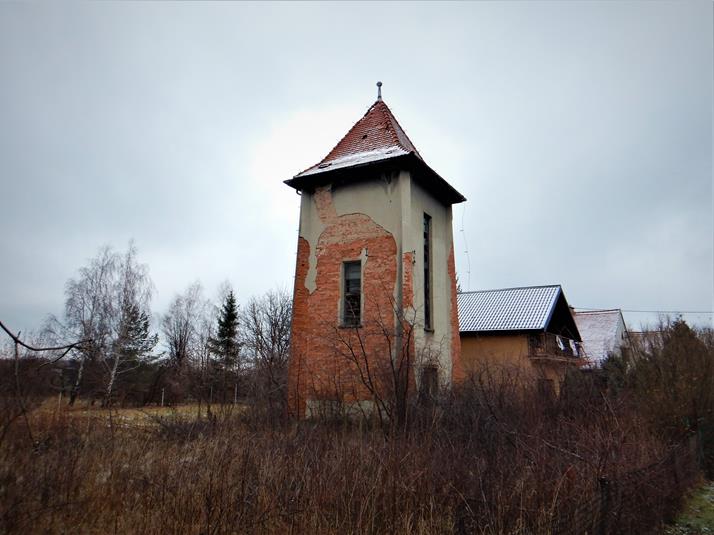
604 333
641 343
526 331
374 306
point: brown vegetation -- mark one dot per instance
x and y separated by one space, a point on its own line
488 458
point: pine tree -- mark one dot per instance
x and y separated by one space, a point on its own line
136 340
225 345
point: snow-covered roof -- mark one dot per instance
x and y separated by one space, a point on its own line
601 331
509 309
358 158
376 138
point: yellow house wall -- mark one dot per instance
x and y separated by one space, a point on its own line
508 354
509 351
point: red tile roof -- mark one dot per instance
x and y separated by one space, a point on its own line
375 139
376 136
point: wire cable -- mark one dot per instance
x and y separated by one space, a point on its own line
466 249
649 311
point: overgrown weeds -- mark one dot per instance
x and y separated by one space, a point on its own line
491 458
471 465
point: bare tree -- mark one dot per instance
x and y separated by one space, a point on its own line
60 352
89 312
107 304
266 339
133 340
182 325
187 327
380 354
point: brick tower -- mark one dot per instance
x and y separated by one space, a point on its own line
374 306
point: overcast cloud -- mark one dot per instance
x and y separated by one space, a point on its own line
580 133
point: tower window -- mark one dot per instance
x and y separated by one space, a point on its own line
351 300
427 271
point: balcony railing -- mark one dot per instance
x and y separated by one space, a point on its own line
554 347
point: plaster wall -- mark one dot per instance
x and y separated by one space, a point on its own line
380 222
508 354
507 351
434 346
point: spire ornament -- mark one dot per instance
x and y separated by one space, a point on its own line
379 90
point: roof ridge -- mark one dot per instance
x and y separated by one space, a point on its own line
397 129
354 126
393 135
342 138
520 308
376 139
513 288
597 310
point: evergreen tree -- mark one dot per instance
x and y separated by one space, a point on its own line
136 340
225 344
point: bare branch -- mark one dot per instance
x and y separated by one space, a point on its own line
67 348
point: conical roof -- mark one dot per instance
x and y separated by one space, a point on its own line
377 138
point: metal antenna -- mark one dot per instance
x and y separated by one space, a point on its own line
379 90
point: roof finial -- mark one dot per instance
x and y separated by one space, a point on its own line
379 90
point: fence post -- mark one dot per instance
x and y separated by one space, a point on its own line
700 448
674 458
604 505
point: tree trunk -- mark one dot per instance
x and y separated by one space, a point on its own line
110 386
78 382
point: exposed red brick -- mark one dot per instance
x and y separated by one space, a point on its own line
322 365
408 279
298 345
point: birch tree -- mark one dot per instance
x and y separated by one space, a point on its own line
107 303
88 312
133 340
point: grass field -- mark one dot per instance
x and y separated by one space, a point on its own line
698 515
139 416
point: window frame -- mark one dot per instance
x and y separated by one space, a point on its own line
427 232
356 319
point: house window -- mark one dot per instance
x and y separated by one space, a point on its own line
427 271
351 301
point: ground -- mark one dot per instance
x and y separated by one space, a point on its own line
135 415
698 515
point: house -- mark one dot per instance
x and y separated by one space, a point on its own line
374 307
603 332
527 331
643 342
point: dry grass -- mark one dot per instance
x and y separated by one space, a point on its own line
147 415
492 458
470 467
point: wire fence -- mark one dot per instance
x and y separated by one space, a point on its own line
623 503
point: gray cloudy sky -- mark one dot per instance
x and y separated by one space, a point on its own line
581 134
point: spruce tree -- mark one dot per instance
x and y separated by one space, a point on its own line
225 345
